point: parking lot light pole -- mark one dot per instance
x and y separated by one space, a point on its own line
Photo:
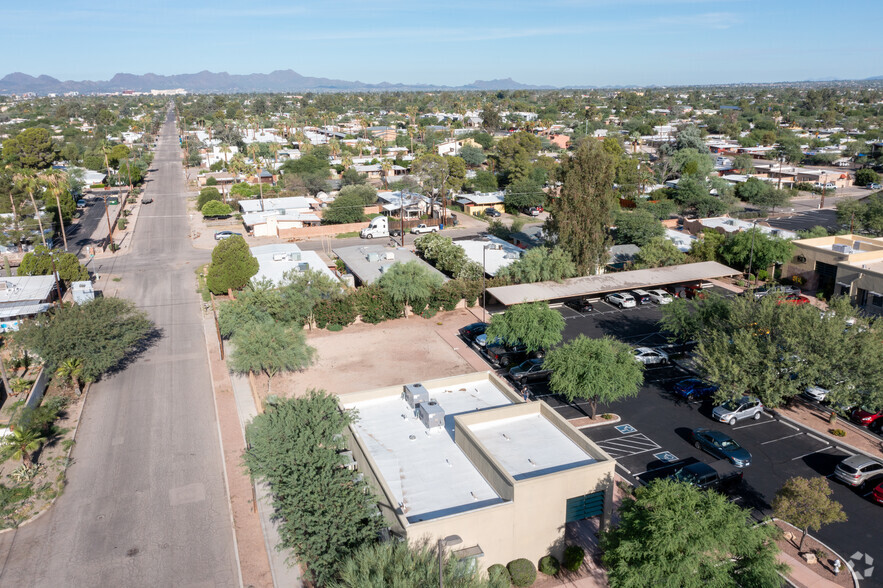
448 541
484 281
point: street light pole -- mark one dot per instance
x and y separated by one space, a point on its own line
483 282
751 256
448 541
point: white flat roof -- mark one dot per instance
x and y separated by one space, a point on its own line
268 204
25 289
273 270
492 259
429 475
530 445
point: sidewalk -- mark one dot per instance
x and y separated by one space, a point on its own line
803 576
250 544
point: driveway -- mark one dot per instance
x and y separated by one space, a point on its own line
146 503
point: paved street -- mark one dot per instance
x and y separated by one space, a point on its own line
146 503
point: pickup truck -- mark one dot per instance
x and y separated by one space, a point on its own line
705 477
421 228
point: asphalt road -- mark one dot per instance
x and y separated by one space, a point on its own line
146 503
656 428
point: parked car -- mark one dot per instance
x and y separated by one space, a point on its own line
747 407
877 494
580 305
81 203
395 233
531 210
504 355
694 292
815 393
722 446
146 200
659 296
693 388
472 331
640 296
492 212
873 186
621 300
857 470
649 356
775 289
794 299
531 370
706 477
866 417
423 228
219 235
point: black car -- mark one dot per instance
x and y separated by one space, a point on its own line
492 212
146 200
580 305
640 296
395 233
721 446
504 355
471 331
531 370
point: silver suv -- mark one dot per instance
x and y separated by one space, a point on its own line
855 470
747 407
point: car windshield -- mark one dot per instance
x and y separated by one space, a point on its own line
729 445
731 405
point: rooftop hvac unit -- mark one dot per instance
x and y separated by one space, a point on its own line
373 256
839 248
280 257
414 394
431 414
303 266
385 267
294 256
389 255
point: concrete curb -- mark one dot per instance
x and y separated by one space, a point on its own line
616 418
70 450
833 440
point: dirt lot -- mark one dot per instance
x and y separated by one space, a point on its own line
409 350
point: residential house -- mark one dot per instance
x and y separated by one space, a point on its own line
725 224
477 203
491 253
278 260
24 297
367 263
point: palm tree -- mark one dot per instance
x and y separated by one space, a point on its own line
58 184
70 371
274 149
225 149
386 167
25 442
28 182
347 161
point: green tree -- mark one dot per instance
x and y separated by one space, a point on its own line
659 252
32 148
408 283
540 264
524 194
755 248
864 177
673 534
582 214
269 347
638 227
534 324
208 194
813 233
690 137
101 334
214 208
39 263
864 215
514 154
484 181
368 194
24 442
806 503
325 513
232 265
706 247
346 208
350 177
597 370
472 155
744 163
70 371
398 563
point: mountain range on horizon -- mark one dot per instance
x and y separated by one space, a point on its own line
225 83
277 81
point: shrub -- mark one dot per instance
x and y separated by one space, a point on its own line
522 571
549 565
335 328
207 195
213 208
212 181
335 312
573 558
121 223
499 575
375 305
838 432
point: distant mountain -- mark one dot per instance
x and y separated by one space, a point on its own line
222 82
875 78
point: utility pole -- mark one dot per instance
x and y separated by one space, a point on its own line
402 216
751 256
55 275
106 211
6 389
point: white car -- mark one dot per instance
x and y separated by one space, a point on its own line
621 300
815 393
660 296
649 356
732 411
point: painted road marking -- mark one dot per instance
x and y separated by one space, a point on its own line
754 425
626 446
812 452
781 438
625 429
666 456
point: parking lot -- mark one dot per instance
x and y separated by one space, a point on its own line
655 427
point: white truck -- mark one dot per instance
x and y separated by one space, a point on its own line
379 227
421 228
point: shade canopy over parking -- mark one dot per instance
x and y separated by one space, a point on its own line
612 282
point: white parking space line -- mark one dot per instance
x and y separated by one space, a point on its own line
781 438
619 447
816 438
754 424
790 425
811 452
625 469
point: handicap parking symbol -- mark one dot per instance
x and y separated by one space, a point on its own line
666 456
626 429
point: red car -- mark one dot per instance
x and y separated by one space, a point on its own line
877 494
866 418
794 299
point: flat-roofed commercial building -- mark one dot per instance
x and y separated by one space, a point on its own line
843 265
466 456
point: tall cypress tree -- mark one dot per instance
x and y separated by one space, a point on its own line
581 217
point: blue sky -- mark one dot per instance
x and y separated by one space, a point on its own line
555 42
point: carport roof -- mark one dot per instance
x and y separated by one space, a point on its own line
612 282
